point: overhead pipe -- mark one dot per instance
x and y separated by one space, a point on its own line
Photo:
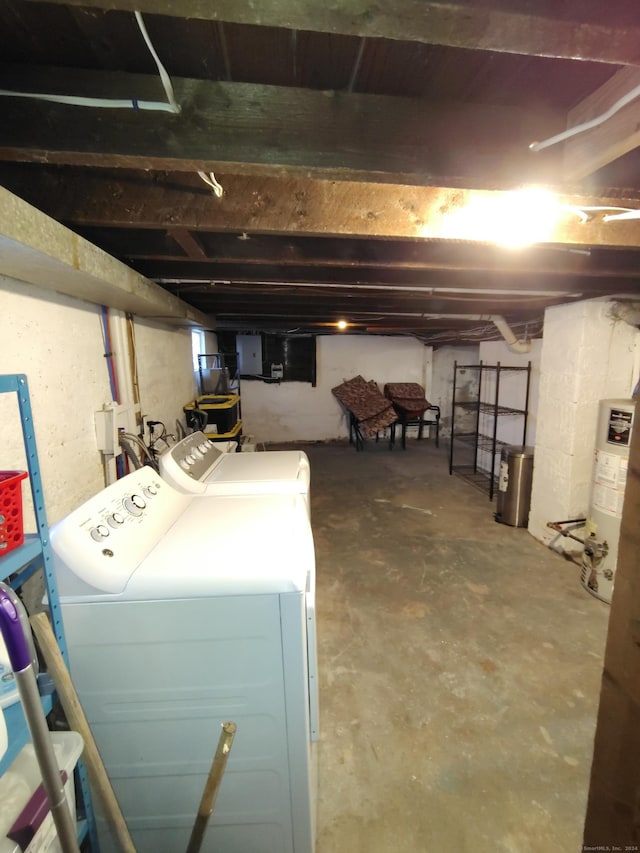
512 342
515 345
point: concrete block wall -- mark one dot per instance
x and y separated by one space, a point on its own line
586 357
56 341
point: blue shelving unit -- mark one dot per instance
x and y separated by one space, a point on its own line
18 566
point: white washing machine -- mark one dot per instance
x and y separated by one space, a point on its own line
196 466
182 613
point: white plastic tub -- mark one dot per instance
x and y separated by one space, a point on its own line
20 783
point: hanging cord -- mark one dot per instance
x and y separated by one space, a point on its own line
164 77
210 180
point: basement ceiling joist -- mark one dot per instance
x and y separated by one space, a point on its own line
319 251
270 205
273 130
351 141
512 26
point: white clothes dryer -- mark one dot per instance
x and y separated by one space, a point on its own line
180 614
196 466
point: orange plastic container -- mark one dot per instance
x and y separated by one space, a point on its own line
11 526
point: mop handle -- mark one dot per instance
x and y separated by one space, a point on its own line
12 619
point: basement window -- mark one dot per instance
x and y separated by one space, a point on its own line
277 358
289 359
197 346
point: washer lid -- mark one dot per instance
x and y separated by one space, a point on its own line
231 545
279 470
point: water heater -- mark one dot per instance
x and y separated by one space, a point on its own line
602 530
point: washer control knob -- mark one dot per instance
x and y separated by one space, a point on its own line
203 447
197 453
191 459
115 520
134 505
184 464
99 533
150 492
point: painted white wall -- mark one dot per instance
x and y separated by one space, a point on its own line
167 381
586 357
56 341
441 392
511 388
295 411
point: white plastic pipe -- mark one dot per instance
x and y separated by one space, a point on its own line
512 342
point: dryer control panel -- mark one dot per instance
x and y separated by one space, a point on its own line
104 540
191 460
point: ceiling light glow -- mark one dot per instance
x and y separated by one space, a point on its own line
342 325
512 219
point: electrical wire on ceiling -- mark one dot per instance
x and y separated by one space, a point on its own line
583 212
210 180
164 77
622 212
114 103
588 125
479 333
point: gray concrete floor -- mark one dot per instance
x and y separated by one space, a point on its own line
460 664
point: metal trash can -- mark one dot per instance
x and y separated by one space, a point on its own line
514 486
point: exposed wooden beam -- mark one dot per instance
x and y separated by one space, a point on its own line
271 130
287 250
188 243
590 150
511 27
299 207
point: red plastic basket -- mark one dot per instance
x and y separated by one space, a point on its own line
11 527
